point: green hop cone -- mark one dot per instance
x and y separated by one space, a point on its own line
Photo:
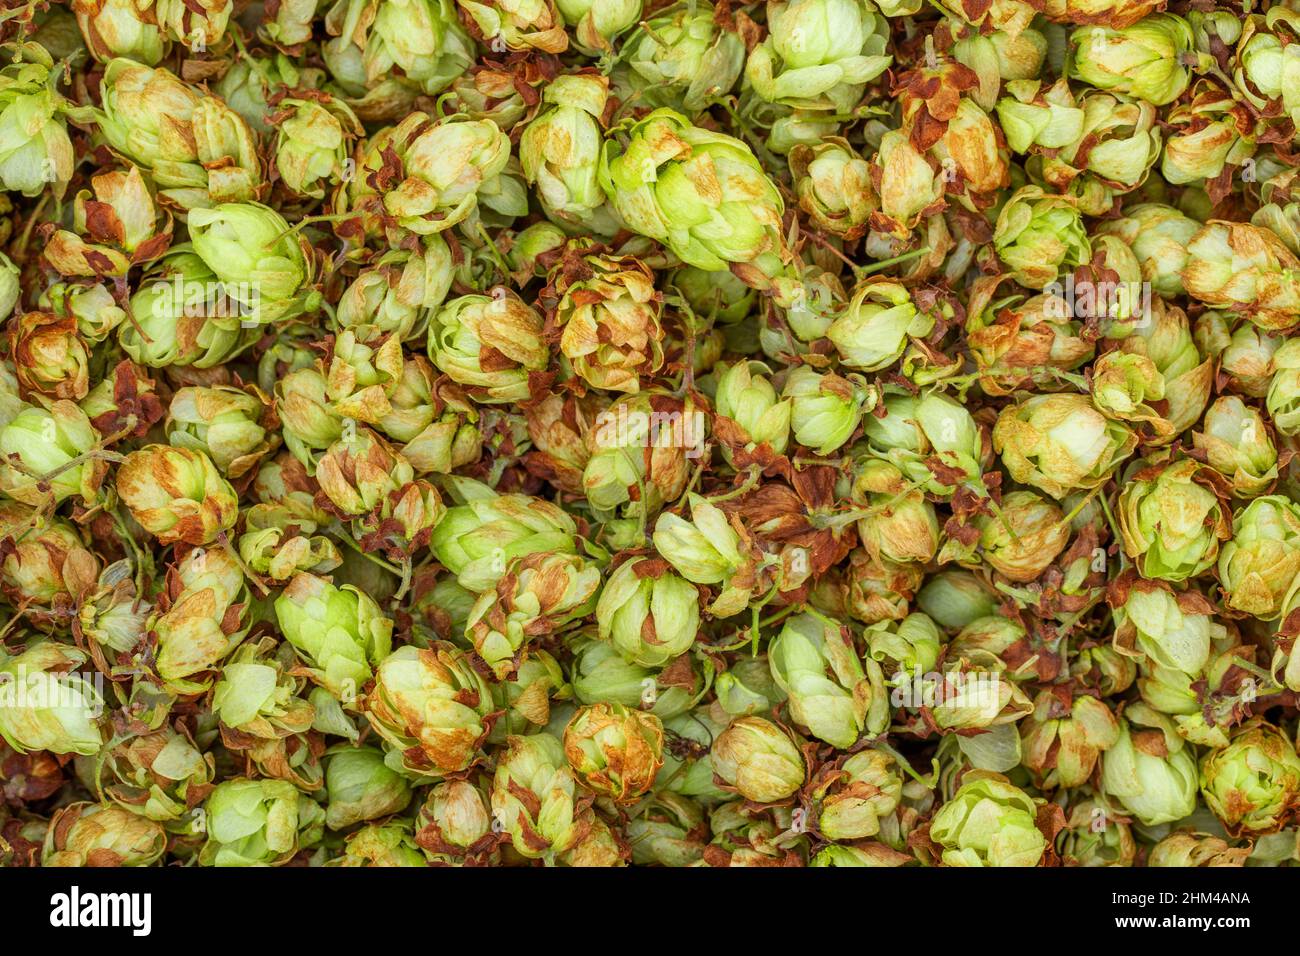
389 844
747 687
450 167
857 795
432 709
225 423
162 776
1063 741
1282 397
384 54
1038 235
1117 143
1245 269
1144 60
278 542
491 345
685 58
988 822
262 265
668 833
45 561
360 787
478 539
649 613
258 823
1060 443
1151 770
1183 849
339 631
92 834
877 325
934 440
177 494
121 28
819 54
833 183
36 152
825 409
831 691
1158 235
911 645
602 675
45 705
746 396
534 797
758 760
1205 137
701 193
1093 837
1252 784
560 151
454 824
596 24
1173 629
899 524
44 455
184 316
312 144
1172 518
612 319
1237 444
1024 538
195 147
538 595
395 293
256 693
708 550
205 619
1261 561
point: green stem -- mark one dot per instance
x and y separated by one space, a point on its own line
862 271
742 489
503 269
346 538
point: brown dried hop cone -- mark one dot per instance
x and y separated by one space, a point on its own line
431 708
115 228
536 597
177 494
615 751
44 564
608 317
50 357
1247 270
202 615
91 834
454 825
364 479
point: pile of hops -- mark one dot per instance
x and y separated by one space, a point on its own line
604 432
